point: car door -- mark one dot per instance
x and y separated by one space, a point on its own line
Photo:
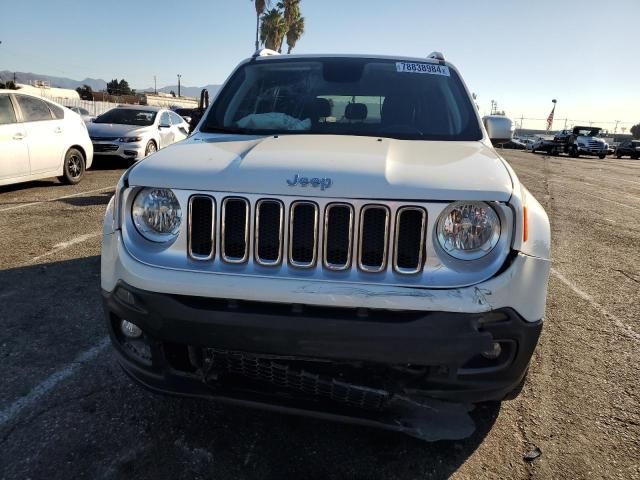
179 126
166 132
45 134
14 152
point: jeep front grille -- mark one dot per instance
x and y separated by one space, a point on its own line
235 230
336 237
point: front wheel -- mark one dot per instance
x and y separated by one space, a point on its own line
573 151
601 156
618 156
151 148
74 167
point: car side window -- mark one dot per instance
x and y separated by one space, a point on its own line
164 119
58 113
7 115
33 109
176 119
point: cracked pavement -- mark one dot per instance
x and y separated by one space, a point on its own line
580 406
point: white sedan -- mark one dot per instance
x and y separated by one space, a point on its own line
136 131
41 139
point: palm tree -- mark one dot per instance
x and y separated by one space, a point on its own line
293 21
273 29
294 33
261 6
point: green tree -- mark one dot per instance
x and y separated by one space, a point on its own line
85 92
635 131
296 29
273 29
261 6
9 85
293 21
115 87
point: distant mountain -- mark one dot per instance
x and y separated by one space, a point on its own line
97 84
188 91
60 82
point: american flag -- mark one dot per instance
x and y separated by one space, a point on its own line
550 118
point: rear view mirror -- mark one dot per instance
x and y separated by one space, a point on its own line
499 128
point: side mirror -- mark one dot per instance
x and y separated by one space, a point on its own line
164 125
499 128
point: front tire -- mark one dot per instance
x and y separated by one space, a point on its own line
74 167
573 151
601 157
150 148
618 156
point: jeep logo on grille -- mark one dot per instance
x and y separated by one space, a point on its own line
315 182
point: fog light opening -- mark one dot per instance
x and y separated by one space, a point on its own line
494 352
130 330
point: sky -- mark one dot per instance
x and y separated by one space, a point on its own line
520 53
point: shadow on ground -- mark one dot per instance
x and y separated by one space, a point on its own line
99 424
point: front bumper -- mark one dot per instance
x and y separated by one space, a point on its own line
389 365
132 151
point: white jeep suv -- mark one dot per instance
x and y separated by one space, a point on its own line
338 238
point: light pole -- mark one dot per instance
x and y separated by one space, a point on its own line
155 86
179 77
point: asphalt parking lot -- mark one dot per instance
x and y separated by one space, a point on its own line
67 410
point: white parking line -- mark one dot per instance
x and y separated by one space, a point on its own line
64 245
25 205
585 296
46 386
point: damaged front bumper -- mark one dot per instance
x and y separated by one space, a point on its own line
413 371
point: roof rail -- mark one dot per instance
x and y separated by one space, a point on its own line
264 52
436 56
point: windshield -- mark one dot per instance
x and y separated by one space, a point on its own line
127 116
372 97
586 131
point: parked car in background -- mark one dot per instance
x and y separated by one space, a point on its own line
41 139
84 113
541 144
134 132
628 148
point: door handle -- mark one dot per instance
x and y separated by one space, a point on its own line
57 130
19 136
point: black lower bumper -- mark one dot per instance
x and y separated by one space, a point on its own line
297 357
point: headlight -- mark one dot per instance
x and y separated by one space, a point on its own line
468 230
130 139
156 214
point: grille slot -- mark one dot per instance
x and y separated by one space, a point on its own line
303 234
374 235
235 230
269 223
409 241
201 227
338 232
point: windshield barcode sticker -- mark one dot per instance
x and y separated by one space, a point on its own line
430 68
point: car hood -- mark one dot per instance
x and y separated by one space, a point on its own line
114 130
344 166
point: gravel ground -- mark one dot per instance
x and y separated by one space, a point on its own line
67 411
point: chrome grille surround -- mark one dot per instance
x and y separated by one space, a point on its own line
196 256
314 255
421 246
223 231
327 213
439 270
258 259
361 239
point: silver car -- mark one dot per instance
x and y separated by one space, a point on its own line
136 131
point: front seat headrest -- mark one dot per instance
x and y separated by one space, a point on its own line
356 111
